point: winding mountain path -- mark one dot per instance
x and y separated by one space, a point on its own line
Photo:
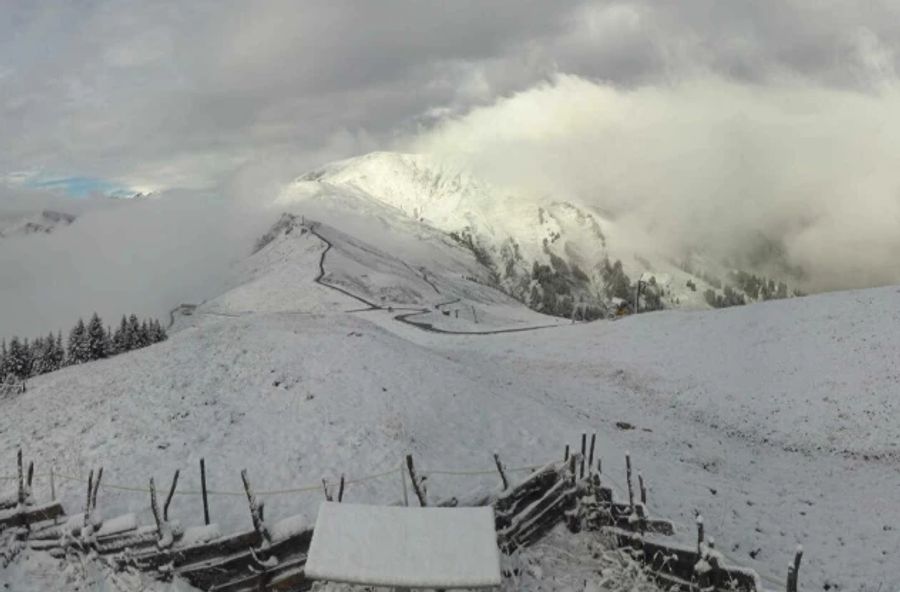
406 317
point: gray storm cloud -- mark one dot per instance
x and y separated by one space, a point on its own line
782 177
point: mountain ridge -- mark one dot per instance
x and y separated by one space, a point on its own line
552 252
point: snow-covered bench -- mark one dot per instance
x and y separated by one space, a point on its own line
440 548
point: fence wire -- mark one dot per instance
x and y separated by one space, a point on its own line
300 489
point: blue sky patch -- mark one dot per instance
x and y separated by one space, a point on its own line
81 186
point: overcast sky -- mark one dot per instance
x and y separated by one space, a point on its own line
708 124
152 95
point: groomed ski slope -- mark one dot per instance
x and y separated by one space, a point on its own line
761 418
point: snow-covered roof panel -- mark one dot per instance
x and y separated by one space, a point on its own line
406 547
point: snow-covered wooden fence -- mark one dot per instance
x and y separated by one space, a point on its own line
13 387
272 555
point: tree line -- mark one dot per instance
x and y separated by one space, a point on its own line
21 358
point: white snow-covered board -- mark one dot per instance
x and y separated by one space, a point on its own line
405 547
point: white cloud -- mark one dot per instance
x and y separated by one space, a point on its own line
712 165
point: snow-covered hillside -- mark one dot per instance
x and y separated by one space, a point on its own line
341 345
513 231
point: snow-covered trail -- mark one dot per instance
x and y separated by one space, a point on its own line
407 317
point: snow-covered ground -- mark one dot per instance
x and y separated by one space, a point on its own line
778 422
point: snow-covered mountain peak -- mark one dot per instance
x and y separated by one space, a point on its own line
423 187
552 252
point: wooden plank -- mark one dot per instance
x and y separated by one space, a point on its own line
202 552
217 571
287 575
30 514
675 563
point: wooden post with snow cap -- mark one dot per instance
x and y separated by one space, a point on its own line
794 569
643 489
700 535
256 510
203 490
163 531
154 508
566 455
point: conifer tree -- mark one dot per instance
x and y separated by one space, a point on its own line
79 350
96 339
38 351
145 334
110 342
120 339
26 359
58 359
17 359
48 354
133 335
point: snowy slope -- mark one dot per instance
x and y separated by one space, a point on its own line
516 229
777 421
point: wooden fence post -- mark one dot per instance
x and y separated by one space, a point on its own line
700 535
154 507
591 453
87 502
643 489
583 454
566 455
417 486
572 468
96 489
500 469
628 476
794 569
21 491
341 489
52 486
203 489
30 476
171 493
403 483
256 510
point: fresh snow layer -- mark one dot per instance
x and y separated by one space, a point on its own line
778 422
406 547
